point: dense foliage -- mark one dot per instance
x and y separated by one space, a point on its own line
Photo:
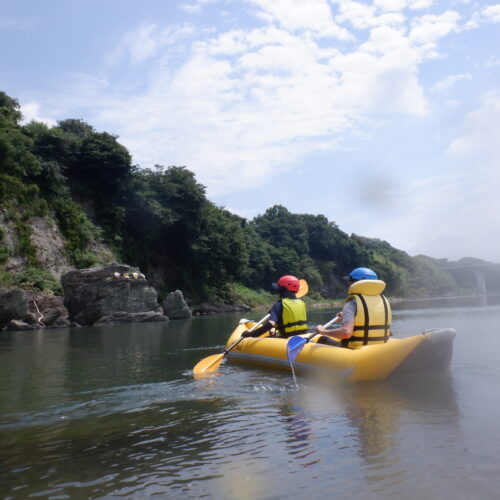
160 220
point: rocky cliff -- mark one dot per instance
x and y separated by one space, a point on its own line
47 242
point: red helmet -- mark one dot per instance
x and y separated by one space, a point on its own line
290 283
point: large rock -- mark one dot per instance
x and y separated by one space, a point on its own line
175 306
49 244
47 241
13 305
49 310
95 293
16 325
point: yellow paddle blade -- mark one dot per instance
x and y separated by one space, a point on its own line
304 288
208 365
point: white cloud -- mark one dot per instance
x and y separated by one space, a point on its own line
249 104
490 14
31 111
190 8
381 76
478 135
243 105
398 5
420 4
147 41
391 5
427 30
292 15
362 16
451 80
492 62
196 7
493 13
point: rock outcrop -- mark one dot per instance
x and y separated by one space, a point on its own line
50 247
27 310
14 311
113 291
48 242
175 306
49 310
13 305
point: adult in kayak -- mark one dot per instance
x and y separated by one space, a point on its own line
288 314
366 315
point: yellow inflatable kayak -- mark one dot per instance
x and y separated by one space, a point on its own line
429 351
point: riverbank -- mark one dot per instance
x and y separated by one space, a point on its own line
118 293
326 304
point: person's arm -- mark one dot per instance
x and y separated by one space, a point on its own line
344 332
347 318
265 327
273 318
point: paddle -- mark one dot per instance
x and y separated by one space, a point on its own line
304 288
211 363
295 344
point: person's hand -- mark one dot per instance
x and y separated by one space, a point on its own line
247 333
320 329
340 315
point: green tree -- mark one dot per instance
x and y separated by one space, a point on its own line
283 230
218 254
99 178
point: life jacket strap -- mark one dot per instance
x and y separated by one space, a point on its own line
354 338
295 323
387 332
367 327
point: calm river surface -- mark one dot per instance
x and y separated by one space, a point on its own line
113 412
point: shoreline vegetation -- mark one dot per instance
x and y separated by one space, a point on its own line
266 299
71 199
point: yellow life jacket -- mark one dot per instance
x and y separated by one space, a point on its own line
372 323
294 317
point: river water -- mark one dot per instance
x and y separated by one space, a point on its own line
113 412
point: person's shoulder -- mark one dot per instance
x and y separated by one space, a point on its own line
350 304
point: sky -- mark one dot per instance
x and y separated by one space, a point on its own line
382 115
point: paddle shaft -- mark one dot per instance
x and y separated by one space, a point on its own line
212 363
241 338
331 322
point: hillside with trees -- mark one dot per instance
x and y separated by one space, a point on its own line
82 183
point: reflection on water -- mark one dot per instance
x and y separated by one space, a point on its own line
114 412
299 434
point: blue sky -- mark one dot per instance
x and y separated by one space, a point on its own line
383 115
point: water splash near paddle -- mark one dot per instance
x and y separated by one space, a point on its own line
296 344
294 377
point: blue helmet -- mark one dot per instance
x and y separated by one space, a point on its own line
363 273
